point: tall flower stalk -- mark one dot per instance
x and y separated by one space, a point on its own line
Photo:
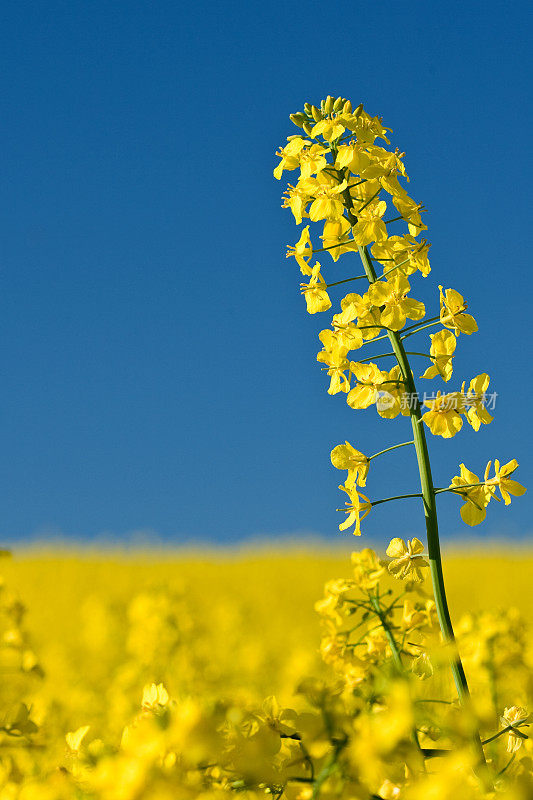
344 176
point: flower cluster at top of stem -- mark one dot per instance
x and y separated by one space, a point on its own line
346 181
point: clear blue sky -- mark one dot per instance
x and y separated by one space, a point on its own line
159 367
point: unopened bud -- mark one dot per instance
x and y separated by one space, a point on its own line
316 114
358 110
307 108
338 104
328 104
298 119
347 107
307 128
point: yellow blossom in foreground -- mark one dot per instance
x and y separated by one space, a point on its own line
403 252
407 559
334 356
392 294
297 201
289 156
344 456
312 160
315 292
370 226
336 239
354 306
367 567
442 348
154 695
75 738
507 485
330 129
444 417
515 717
452 308
476 498
376 386
302 251
476 413
327 194
353 157
356 510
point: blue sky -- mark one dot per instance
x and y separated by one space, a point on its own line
159 367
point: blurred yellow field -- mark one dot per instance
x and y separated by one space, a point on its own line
254 610
111 642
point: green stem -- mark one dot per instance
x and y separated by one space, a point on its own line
497 735
396 657
346 280
430 513
417 330
459 489
507 765
393 447
413 353
396 497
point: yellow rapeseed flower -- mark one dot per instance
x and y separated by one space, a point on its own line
302 251
476 498
452 308
407 559
356 510
444 415
505 484
315 292
443 344
392 296
515 717
345 456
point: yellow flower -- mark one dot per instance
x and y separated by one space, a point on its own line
442 348
444 417
289 156
154 696
344 456
312 160
367 568
327 194
422 666
329 128
334 356
507 485
302 251
355 306
515 717
75 738
356 510
392 294
407 559
365 127
474 399
297 201
452 308
375 386
410 211
476 498
370 226
385 165
335 237
316 296
353 157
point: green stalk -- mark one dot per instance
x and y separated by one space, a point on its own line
374 599
430 513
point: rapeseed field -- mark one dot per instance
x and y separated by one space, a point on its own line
169 674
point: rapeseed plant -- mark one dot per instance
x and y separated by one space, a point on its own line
205 690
